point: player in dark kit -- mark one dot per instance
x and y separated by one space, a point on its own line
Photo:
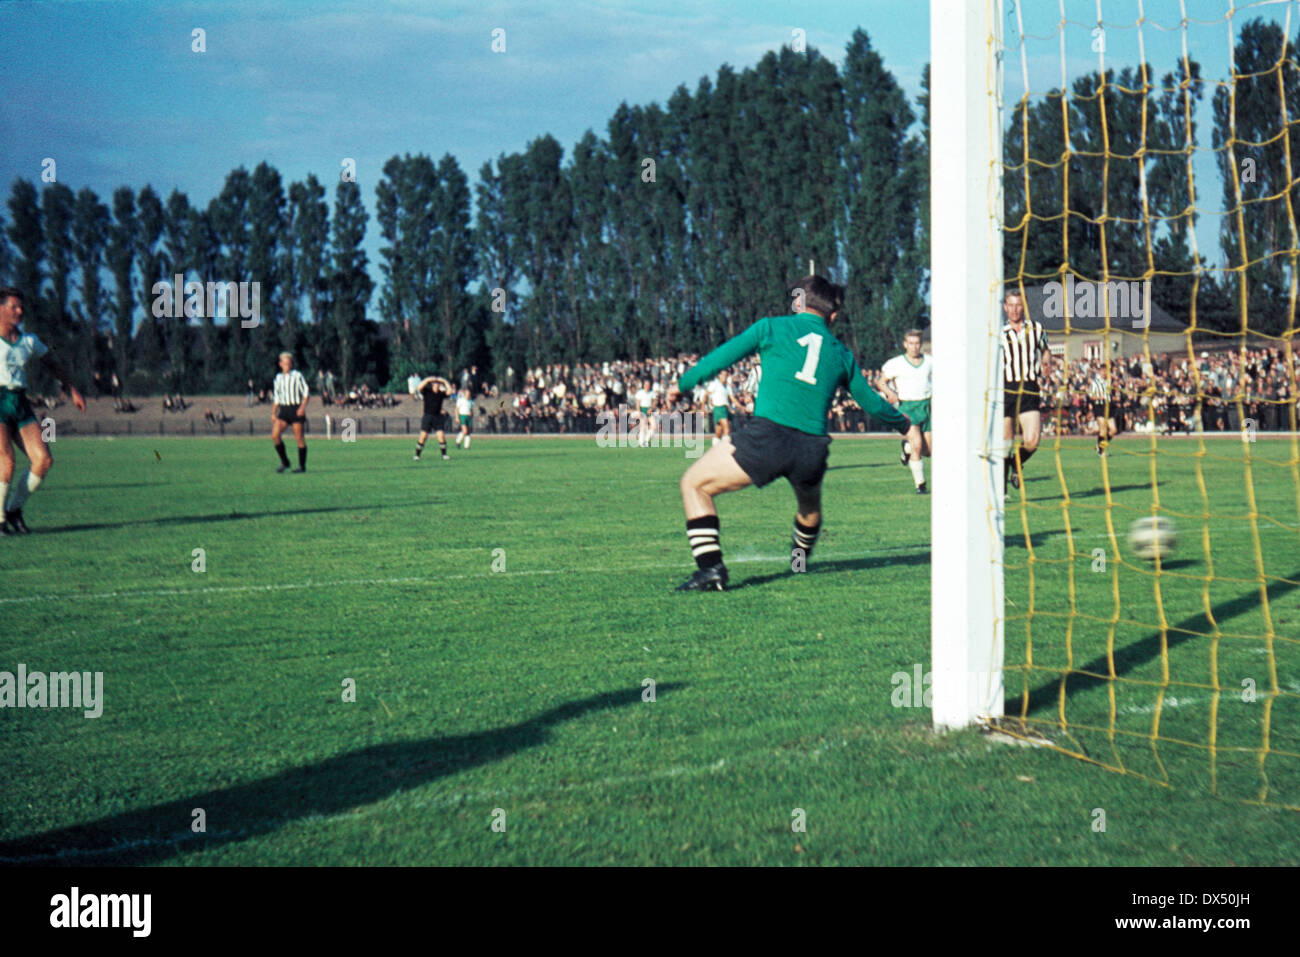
803 366
433 390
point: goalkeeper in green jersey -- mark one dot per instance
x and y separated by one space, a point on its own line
803 366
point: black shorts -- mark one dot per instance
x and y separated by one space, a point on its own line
1100 411
288 414
434 422
767 451
1022 398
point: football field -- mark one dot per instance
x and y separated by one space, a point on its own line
482 661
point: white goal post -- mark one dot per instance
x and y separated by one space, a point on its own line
966 591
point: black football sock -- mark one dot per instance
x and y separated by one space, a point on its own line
302 458
284 457
703 536
419 447
442 446
1023 456
805 537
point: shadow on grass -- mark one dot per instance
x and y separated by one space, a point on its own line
332 786
864 465
1145 649
232 516
1015 538
1178 563
1094 492
846 565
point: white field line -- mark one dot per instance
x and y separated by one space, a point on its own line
1013 537
419 580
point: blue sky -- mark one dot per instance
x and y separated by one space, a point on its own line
114 94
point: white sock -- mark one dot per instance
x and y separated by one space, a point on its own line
4 493
26 485
467 443
907 447
918 471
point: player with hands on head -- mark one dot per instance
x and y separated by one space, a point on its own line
434 390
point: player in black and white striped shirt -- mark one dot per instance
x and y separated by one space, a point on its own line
290 409
1025 357
1103 412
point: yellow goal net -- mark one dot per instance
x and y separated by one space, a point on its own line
1151 563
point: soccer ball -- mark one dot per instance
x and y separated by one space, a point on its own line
1152 537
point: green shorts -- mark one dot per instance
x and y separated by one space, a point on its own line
720 413
15 410
465 419
918 410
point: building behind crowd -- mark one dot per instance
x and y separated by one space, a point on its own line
1136 325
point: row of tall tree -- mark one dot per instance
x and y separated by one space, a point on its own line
313 282
669 233
674 230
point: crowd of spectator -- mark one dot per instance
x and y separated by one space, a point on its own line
1173 393
357 398
257 396
561 398
1166 393
1211 391
586 397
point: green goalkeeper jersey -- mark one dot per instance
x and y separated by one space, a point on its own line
803 365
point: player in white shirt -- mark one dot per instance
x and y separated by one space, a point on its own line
645 403
465 411
719 394
17 417
908 382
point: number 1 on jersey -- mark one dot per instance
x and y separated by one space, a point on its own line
813 343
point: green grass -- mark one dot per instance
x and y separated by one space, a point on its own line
521 689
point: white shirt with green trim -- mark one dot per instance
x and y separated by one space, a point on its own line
719 394
911 382
14 357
